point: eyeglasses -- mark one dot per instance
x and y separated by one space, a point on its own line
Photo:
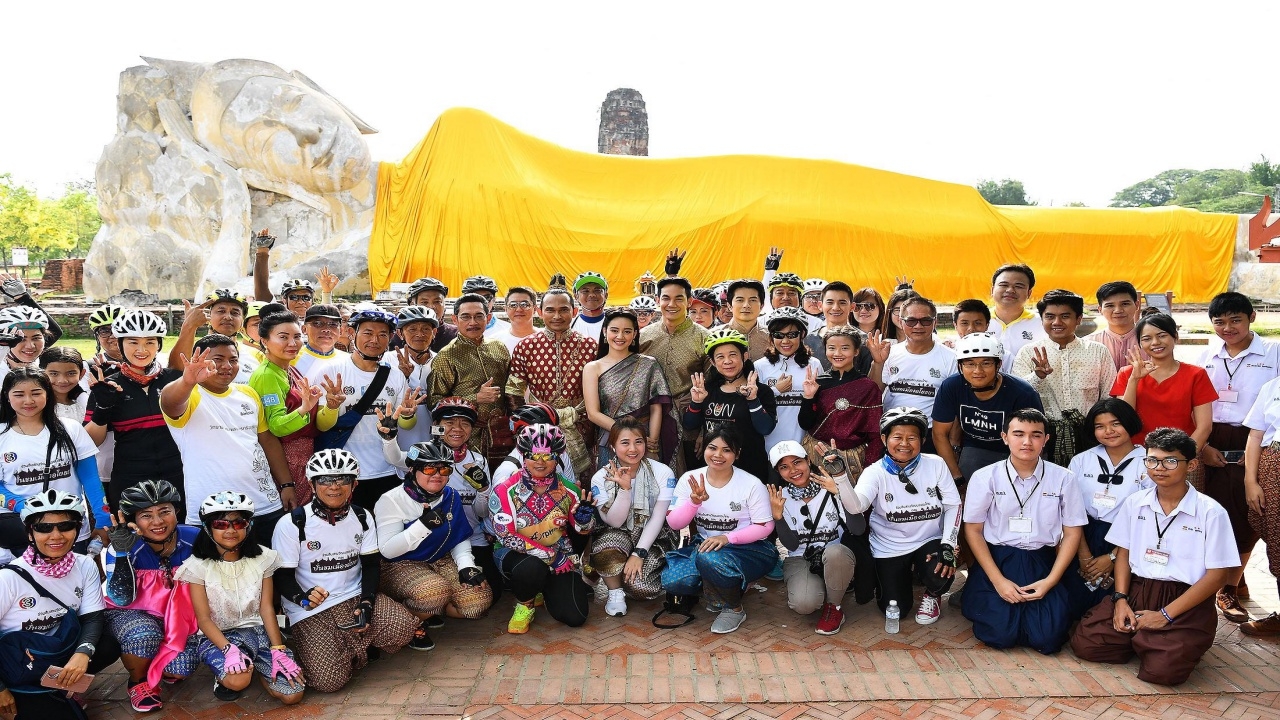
1115 478
540 457
324 325
789 335
297 297
102 332
441 470
44 528
813 296
864 306
978 364
468 317
912 322
223 524
343 480
519 305
1169 463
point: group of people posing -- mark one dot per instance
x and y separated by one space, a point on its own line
373 475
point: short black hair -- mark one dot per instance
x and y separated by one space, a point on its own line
676 280
972 306
471 298
1018 268
1230 303
522 290
1123 411
213 340
206 549
919 300
1117 287
840 286
1061 297
1162 321
1172 440
555 291
1028 415
739 284
273 315
728 433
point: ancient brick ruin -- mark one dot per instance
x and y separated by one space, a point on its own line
624 123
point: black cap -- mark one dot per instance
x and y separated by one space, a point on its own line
322 311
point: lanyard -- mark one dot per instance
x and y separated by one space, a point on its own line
1160 533
1021 503
1232 373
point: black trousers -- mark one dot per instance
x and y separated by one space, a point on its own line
484 558
566 595
896 573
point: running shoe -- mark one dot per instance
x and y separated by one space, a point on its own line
727 621
143 698
520 619
929 611
616 605
831 620
1231 608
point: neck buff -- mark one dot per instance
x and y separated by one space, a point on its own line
591 318
804 493
57 569
142 377
903 472
413 490
328 514
528 479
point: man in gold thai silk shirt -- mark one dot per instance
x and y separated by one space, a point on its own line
676 343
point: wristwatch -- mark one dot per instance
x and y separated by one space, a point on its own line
1118 596
1112 555
87 648
641 553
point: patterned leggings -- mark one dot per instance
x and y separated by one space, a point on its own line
428 588
140 635
1268 524
329 656
255 645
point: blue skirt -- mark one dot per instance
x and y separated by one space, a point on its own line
1079 596
1038 624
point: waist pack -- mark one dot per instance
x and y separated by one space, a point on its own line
336 437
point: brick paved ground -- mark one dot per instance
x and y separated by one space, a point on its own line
775 666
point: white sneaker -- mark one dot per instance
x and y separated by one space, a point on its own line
616 605
929 611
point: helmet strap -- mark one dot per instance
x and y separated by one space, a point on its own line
994 384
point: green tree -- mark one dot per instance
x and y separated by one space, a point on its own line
47 227
1215 190
1004 192
1152 192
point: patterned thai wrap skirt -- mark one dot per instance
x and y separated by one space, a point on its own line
611 547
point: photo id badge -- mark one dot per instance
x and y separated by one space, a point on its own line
1228 396
1104 501
1020 525
1155 557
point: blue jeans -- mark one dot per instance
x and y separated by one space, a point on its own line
722 575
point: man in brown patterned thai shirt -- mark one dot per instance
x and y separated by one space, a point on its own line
676 343
476 369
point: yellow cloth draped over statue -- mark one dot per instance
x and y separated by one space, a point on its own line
477 196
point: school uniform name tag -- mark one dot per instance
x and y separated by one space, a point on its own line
1228 396
1155 557
1021 525
1104 501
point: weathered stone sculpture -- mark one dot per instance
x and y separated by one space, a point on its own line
205 152
624 123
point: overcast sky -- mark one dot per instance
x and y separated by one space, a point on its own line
1077 100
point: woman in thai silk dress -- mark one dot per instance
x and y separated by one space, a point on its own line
621 382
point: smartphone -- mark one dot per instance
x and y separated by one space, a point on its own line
1234 457
50 680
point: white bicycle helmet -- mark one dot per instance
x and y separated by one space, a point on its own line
224 502
814 285
53 501
979 345
21 317
139 324
296 284
644 303
332 462
903 416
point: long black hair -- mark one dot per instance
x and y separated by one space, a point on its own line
60 441
206 549
609 316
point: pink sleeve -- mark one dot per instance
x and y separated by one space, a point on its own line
750 533
1202 389
681 515
1122 381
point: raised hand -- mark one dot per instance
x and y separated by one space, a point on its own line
774 259
825 481
675 259
784 383
194 317
776 501
750 390
1040 356
198 367
263 241
488 393
310 396
326 280
12 286
698 489
387 417
698 393
404 361
878 347
123 535
334 394
809 389
1141 368
902 282
622 475
412 398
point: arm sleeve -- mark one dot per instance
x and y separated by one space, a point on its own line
786 535
682 514
396 539
121 586
392 453
91 625
462 555
764 416
370 574
619 509
750 533
857 500
808 417
87 471
653 528
286 583
951 525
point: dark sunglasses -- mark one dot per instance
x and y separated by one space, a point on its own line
224 524
430 470
912 322
297 297
864 306
907 482
44 528
343 480
789 335
1110 478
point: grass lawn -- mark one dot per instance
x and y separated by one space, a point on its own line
88 346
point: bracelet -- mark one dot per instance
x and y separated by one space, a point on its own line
279 647
285 486
1166 616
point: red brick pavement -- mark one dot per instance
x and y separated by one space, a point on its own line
774 666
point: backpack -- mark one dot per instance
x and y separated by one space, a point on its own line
299 517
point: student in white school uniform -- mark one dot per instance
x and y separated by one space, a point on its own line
1107 473
1238 368
1022 520
221 431
1174 552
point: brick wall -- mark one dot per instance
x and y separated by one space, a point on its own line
63 275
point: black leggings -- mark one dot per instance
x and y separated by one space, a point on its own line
566 595
483 555
895 575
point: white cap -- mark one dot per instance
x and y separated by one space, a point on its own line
786 448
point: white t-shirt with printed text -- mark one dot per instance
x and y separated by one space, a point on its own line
328 558
23 467
26 609
742 502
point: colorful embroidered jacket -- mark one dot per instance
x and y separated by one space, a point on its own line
533 523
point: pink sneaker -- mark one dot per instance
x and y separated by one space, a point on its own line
831 621
144 698
930 610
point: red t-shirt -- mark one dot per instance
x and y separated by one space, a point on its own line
1169 403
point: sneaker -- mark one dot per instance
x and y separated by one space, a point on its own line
520 619
616 605
225 694
929 611
421 640
831 621
956 599
1231 608
143 698
538 601
1268 626
776 573
728 621
435 622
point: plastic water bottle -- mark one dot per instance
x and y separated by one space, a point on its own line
95 547
891 617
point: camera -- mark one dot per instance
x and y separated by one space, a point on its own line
813 556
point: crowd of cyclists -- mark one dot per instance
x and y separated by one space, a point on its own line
373 476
